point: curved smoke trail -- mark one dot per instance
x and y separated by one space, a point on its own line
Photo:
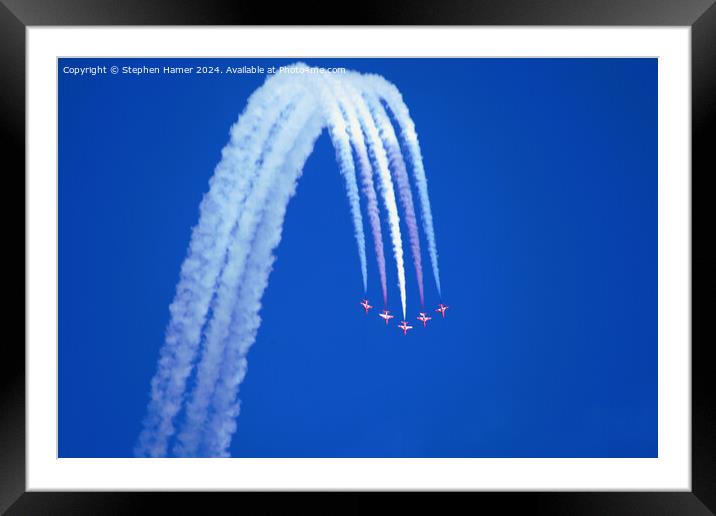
222 424
395 157
218 211
246 320
356 133
393 98
380 158
231 253
234 271
218 329
342 144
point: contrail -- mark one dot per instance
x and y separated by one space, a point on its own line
395 156
218 211
232 180
231 276
378 153
234 272
394 100
342 144
356 134
230 257
246 319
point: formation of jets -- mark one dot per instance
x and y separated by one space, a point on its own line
422 316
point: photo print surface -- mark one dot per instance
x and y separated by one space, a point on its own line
357 257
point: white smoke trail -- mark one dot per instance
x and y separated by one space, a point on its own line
233 273
394 100
341 142
222 423
231 253
379 155
188 440
246 319
356 136
232 180
395 156
218 211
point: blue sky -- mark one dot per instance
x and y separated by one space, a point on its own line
543 183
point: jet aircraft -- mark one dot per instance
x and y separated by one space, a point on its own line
365 305
441 309
423 318
386 316
404 326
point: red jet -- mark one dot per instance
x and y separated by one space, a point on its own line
441 309
404 326
365 305
386 316
423 318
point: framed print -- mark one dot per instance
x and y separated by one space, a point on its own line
449 256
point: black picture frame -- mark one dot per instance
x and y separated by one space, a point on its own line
700 15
